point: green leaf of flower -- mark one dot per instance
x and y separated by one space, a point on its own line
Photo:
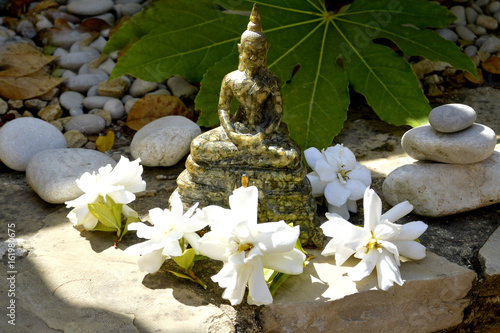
186 260
130 219
330 50
105 214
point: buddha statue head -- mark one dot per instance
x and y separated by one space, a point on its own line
253 45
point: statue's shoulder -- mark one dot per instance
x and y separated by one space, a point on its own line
233 77
273 78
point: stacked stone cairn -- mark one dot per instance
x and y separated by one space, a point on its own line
457 168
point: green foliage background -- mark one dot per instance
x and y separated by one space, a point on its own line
197 39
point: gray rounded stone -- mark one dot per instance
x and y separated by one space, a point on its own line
165 141
52 173
450 118
71 99
141 87
448 34
83 82
471 145
86 123
459 12
465 33
115 108
95 102
436 189
22 138
89 7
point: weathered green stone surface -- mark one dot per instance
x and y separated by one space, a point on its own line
252 143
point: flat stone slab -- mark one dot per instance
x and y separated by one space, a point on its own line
79 283
489 256
324 299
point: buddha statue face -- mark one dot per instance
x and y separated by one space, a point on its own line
253 54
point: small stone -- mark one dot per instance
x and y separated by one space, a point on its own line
84 69
481 3
22 138
67 74
52 173
494 7
490 45
95 102
165 141
115 108
26 29
82 83
114 88
471 51
128 9
436 189
180 87
465 33
86 123
75 60
160 92
89 7
497 16
92 91
76 111
448 34
107 66
51 112
487 22
35 103
104 115
15 103
4 107
27 114
471 145
459 12
75 139
477 30
450 118
57 124
50 95
434 90
471 15
98 44
130 103
141 87
71 99
425 66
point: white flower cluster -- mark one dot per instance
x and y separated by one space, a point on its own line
247 247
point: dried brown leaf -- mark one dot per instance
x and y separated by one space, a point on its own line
492 65
152 107
26 87
21 59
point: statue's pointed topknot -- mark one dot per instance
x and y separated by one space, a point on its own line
254 24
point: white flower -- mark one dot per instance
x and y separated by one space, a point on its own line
120 183
169 226
338 177
380 243
247 247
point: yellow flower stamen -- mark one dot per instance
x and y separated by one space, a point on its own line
245 247
373 243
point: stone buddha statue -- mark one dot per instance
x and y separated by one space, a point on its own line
252 144
254 135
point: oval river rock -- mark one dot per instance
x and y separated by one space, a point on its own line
471 145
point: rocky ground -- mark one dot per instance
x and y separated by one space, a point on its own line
55 287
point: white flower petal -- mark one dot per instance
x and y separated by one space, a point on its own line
258 291
357 189
384 231
336 194
342 211
330 248
151 262
192 238
361 173
146 247
410 249
391 248
176 206
312 155
172 249
398 211
244 201
325 171
214 245
387 271
373 208
318 187
291 262
352 206
347 158
411 231
121 196
343 253
275 237
143 230
365 266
